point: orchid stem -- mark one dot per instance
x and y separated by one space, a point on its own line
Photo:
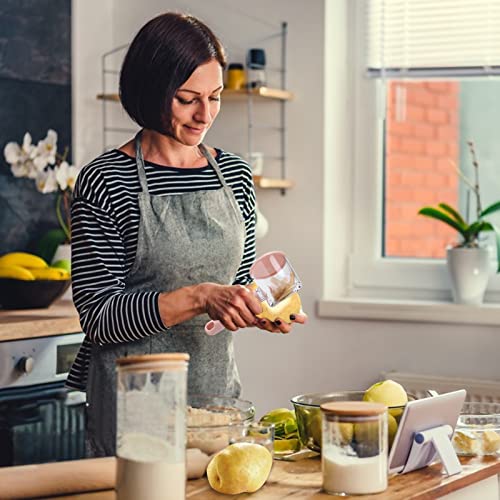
60 218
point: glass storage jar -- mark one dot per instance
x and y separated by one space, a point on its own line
354 447
151 426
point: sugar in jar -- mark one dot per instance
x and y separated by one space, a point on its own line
354 447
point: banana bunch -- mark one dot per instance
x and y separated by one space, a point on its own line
28 267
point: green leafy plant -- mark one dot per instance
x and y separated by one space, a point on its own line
468 231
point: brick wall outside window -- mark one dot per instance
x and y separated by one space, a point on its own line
422 136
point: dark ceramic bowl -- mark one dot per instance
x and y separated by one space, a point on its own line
20 294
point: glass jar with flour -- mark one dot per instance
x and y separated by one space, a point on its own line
354 447
151 427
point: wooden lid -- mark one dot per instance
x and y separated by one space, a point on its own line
153 358
353 408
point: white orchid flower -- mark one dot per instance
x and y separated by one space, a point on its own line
66 175
46 181
45 153
12 152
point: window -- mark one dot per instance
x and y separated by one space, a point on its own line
426 80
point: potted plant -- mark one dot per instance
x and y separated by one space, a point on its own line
468 262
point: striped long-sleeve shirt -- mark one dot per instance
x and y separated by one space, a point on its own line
105 224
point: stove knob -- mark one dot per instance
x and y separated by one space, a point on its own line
25 364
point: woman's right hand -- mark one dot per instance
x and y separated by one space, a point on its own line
235 306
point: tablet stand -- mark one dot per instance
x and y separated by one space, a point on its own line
427 444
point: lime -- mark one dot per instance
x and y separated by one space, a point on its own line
63 264
286 445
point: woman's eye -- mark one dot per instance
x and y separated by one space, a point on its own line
184 101
215 98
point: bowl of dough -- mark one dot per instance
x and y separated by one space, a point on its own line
477 432
213 422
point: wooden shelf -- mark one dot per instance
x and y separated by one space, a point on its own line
270 183
109 97
264 92
229 94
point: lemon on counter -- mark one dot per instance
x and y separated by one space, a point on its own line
239 468
389 393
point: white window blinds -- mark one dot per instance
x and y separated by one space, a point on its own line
432 37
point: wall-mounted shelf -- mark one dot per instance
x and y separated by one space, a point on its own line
270 183
255 99
264 92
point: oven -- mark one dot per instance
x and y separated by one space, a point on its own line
40 420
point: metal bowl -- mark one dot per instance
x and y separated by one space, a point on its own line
308 413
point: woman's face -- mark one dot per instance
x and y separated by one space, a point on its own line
196 103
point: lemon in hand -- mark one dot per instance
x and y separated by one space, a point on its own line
239 468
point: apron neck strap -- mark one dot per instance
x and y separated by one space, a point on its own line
139 158
212 163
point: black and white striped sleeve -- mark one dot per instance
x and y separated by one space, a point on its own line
107 314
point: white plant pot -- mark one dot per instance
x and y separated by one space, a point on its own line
64 252
469 270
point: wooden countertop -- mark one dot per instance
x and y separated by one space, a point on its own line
61 317
300 480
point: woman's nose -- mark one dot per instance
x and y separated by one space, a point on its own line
203 113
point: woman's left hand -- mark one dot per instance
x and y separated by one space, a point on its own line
280 325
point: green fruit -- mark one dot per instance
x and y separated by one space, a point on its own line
346 431
387 392
285 424
286 445
315 427
63 264
392 427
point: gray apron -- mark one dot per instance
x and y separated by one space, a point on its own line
183 239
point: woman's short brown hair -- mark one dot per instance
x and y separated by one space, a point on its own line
161 57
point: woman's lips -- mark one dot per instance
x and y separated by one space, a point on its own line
194 130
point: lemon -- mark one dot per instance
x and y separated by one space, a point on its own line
286 445
239 468
387 392
283 310
392 427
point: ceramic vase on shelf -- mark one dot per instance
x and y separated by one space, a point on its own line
63 251
469 270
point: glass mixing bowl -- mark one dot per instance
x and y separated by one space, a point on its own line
478 430
308 413
213 422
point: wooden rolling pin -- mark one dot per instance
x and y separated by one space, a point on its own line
58 478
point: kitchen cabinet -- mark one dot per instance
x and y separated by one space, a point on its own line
300 480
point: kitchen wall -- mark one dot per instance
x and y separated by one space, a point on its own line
35 92
325 354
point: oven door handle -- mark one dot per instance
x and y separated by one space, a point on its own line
33 392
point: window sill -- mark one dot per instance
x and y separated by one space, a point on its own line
409 310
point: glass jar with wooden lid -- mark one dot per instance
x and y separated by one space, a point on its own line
354 447
151 426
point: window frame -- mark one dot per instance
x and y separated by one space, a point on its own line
367 274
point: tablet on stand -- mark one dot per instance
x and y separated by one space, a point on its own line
424 434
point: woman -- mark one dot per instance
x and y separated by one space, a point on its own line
163 228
